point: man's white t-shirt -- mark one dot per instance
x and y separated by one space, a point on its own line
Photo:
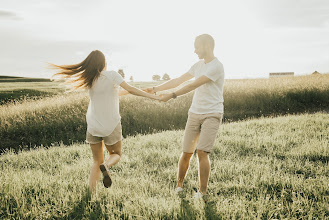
103 110
208 98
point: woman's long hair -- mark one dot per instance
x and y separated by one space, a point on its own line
84 74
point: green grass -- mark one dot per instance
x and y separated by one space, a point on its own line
61 117
268 168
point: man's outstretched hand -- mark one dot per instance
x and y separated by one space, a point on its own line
162 98
157 97
166 97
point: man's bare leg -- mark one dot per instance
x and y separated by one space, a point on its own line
183 166
204 170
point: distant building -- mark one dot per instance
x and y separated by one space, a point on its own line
280 74
315 72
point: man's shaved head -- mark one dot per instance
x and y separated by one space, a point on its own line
206 40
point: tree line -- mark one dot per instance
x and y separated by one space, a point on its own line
154 77
158 77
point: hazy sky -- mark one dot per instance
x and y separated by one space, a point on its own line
147 37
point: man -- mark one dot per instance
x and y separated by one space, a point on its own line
206 112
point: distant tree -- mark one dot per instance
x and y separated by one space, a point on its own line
156 77
131 79
120 71
166 77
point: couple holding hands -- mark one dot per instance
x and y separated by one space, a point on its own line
104 121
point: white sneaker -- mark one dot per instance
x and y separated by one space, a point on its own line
179 190
198 195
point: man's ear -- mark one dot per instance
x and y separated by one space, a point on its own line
207 47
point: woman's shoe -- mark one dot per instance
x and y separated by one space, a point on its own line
106 177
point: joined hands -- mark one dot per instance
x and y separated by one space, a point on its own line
162 98
149 90
166 97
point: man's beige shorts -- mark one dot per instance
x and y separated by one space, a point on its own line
111 139
201 131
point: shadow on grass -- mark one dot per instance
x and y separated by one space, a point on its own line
210 210
85 209
317 158
312 158
187 211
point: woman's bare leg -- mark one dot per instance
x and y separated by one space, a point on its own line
98 157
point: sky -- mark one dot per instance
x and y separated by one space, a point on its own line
148 37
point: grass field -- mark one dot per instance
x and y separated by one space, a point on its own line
26 91
21 79
267 168
18 90
48 120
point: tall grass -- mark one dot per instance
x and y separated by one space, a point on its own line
276 96
268 168
62 118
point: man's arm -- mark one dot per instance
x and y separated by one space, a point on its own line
173 83
186 89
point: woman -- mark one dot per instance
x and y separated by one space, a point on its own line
103 118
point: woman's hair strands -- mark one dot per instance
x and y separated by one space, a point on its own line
84 74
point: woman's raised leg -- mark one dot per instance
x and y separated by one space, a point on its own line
115 154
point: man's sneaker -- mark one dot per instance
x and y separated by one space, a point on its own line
179 190
198 195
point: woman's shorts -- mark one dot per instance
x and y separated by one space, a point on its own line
111 139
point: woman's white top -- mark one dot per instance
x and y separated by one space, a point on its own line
103 110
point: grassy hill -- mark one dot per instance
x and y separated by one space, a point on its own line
21 79
61 117
19 89
273 168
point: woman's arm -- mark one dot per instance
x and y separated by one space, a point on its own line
123 92
135 91
173 83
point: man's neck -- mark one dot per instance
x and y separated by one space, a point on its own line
208 58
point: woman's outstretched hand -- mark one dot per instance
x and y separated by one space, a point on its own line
162 98
149 90
166 97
